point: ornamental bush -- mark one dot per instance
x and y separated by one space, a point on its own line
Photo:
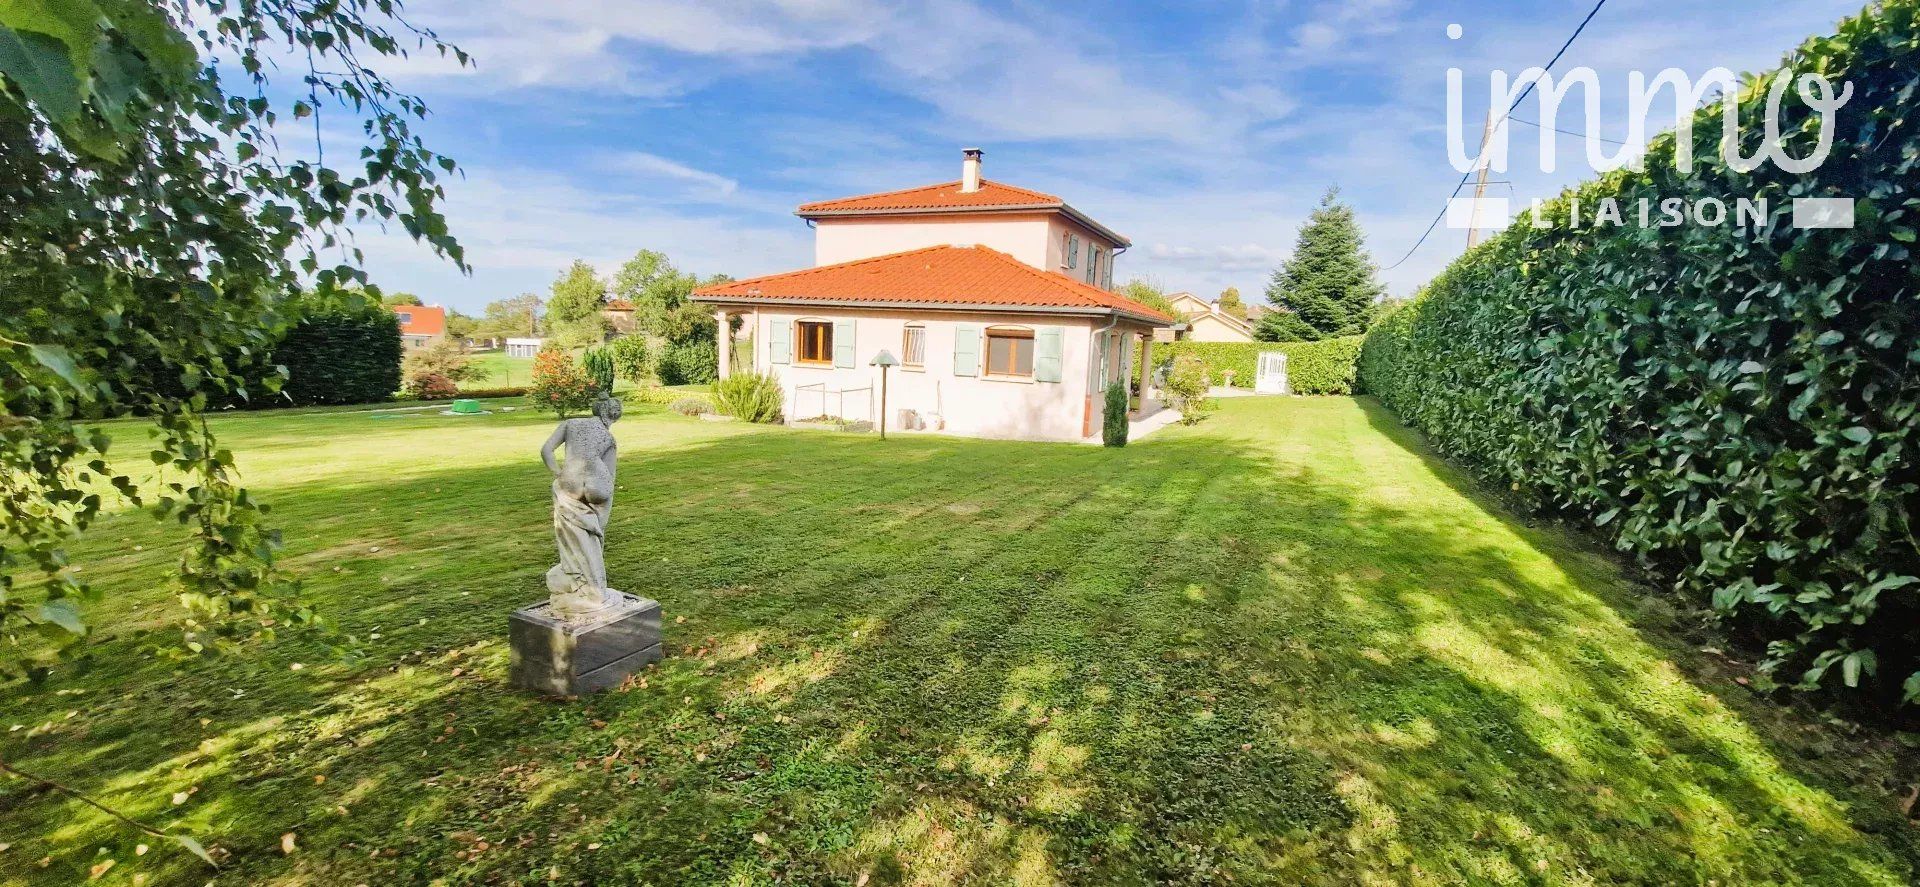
1739 408
1323 367
444 357
690 362
1113 421
1187 385
749 397
340 353
432 386
630 357
560 386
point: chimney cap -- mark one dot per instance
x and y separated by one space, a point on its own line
973 152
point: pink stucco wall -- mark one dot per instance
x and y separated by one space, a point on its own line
976 406
1033 238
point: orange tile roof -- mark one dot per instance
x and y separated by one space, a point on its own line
959 277
946 195
421 320
618 305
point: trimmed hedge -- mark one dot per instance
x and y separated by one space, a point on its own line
1738 408
1323 367
339 355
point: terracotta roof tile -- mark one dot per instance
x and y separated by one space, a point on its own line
421 320
945 195
960 276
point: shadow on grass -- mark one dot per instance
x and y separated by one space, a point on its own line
933 660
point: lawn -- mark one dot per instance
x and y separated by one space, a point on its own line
497 370
1284 646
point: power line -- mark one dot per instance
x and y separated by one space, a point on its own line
1510 109
1567 132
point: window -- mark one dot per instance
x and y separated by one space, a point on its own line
405 316
816 342
913 346
1009 351
1093 263
1073 251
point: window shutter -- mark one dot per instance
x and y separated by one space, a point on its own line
1073 251
780 340
1047 343
966 350
843 344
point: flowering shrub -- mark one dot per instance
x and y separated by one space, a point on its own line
432 386
560 386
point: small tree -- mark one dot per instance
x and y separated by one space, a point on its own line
1149 293
1187 386
1328 284
559 385
630 358
574 318
1113 425
444 358
1231 304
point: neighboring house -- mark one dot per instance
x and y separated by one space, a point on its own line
619 315
993 299
1203 321
421 325
524 347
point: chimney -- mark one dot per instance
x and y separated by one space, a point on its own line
970 170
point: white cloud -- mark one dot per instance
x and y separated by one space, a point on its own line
655 166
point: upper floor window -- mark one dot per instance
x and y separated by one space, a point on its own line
405 316
913 346
1009 351
815 343
1094 255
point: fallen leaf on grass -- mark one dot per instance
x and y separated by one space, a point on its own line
99 868
1906 806
286 844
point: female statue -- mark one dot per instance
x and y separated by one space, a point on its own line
582 503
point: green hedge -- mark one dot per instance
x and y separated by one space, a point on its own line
340 355
1323 367
1737 408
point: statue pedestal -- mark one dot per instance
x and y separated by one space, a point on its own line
586 654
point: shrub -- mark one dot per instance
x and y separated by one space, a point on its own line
1323 367
1113 424
1187 386
432 386
511 391
630 355
1736 407
597 363
559 384
749 397
691 362
690 406
340 354
443 358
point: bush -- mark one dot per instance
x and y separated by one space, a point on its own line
1323 367
1113 422
630 358
1187 386
513 391
691 406
597 363
1737 407
339 354
560 385
691 362
443 358
432 386
749 397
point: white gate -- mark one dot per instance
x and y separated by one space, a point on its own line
1272 378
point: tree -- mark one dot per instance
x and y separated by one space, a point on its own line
443 358
397 299
1328 285
461 327
1231 304
655 288
1282 325
1150 293
574 318
511 318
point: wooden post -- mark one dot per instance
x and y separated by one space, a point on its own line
1480 184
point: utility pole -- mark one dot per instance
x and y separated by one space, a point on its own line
1480 181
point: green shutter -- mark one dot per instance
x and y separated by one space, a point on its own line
1047 343
966 349
780 340
843 344
1073 251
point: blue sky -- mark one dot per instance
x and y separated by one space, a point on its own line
1205 131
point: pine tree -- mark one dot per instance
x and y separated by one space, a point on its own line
574 318
1328 286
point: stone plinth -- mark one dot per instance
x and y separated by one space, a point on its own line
574 657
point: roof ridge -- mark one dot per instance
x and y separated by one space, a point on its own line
1040 196
955 182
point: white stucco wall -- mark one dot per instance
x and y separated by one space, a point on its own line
978 406
1210 328
846 239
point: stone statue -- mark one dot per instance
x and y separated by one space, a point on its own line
582 504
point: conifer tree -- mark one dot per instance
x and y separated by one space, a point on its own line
1327 289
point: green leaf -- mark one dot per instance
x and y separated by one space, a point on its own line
1751 367
63 612
194 848
56 358
43 71
1857 434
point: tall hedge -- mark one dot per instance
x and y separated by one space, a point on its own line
1737 408
1323 367
340 354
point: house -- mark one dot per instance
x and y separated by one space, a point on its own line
524 347
421 325
1204 321
619 315
995 300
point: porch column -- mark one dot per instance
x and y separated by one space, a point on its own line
1146 371
724 345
